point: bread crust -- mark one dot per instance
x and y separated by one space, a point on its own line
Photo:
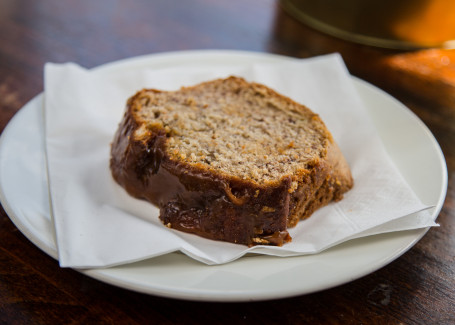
195 199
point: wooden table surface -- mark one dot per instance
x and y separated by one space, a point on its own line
417 288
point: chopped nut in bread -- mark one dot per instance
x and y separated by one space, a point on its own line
228 160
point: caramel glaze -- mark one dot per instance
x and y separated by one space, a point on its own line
210 205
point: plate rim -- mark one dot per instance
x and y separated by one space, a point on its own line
105 276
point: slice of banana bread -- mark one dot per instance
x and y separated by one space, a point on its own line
228 160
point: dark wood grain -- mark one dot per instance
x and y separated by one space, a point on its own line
417 288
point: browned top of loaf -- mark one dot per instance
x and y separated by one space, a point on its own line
233 128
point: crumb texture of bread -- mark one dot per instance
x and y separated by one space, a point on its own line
228 160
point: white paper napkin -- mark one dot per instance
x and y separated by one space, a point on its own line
97 224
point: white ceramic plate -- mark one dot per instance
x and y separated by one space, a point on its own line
24 196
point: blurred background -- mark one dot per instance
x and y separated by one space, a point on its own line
380 41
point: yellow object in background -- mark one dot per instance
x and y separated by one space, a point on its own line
402 24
